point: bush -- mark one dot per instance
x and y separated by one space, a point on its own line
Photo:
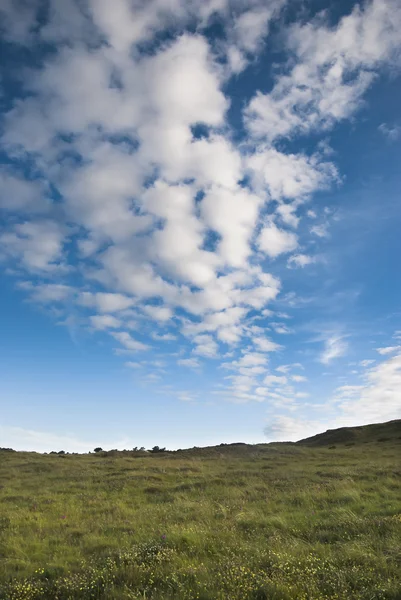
156 449
98 450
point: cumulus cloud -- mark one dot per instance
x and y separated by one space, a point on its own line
248 33
301 260
275 241
18 194
333 68
106 302
129 342
289 176
271 380
233 215
205 345
37 244
48 292
266 345
159 313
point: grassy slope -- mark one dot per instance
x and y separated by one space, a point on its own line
377 432
279 521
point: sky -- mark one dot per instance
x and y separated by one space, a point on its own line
199 221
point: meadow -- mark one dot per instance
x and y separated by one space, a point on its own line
273 521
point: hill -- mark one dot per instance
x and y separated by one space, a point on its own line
365 434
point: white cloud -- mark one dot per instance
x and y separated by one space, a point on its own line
335 347
366 363
225 323
289 176
250 27
301 260
388 350
30 440
272 380
287 368
106 302
189 362
377 400
38 244
248 33
18 20
111 173
265 345
251 359
299 378
18 194
281 328
133 365
129 342
186 396
236 59
205 346
333 68
164 337
320 230
291 429
233 215
105 322
159 313
274 241
48 292
126 24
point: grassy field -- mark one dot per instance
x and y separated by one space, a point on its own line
277 521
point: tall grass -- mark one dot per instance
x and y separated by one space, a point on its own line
270 522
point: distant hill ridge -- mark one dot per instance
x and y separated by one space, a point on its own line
377 432
347 436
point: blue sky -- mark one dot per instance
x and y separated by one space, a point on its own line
199 221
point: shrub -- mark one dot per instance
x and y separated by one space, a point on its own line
156 449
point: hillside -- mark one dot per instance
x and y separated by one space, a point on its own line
365 434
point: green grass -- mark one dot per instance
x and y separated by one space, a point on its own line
278 521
